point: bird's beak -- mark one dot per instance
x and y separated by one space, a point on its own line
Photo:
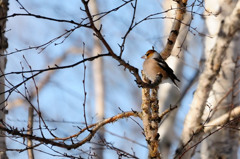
143 57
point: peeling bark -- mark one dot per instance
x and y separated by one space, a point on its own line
172 95
3 47
222 144
228 29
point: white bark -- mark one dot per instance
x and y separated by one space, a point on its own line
171 95
229 27
30 132
221 144
224 145
98 69
98 80
3 47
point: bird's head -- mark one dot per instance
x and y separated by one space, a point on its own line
150 54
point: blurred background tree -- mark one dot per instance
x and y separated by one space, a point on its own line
61 78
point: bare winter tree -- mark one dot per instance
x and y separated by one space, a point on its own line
223 97
73 80
168 134
213 94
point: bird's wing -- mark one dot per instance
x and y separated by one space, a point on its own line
165 67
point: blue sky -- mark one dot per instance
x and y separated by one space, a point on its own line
62 98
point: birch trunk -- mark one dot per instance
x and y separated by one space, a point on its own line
171 95
30 132
191 132
98 81
3 47
222 144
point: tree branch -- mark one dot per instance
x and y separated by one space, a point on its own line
181 9
126 65
95 128
229 27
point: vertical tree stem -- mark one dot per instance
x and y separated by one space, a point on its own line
150 120
29 132
3 47
154 152
181 9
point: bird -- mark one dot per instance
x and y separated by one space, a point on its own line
154 65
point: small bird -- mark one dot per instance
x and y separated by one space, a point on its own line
155 65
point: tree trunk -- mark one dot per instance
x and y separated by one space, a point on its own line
191 132
98 82
30 132
3 47
222 144
171 95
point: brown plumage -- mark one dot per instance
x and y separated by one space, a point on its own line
154 65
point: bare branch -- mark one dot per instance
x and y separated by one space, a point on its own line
95 128
229 27
181 5
211 128
46 18
131 69
47 69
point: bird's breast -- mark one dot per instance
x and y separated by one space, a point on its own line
152 69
